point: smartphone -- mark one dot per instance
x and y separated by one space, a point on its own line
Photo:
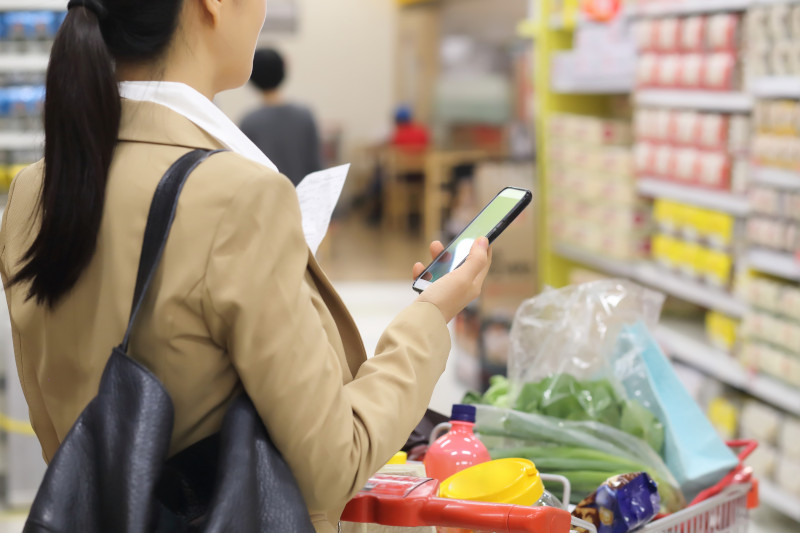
490 222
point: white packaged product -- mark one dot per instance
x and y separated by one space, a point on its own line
692 34
687 124
668 32
713 130
760 422
787 474
763 461
723 32
692 70
669 70
780 22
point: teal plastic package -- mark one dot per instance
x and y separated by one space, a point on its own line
693 451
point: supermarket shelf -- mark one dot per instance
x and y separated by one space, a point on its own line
782 265
689 7
33 5
700 100
593 85
606 265
779 499
20 140
657 278
690 290
686 342
775 177
776 87
23 62
725 202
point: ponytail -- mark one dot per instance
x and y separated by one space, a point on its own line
82 113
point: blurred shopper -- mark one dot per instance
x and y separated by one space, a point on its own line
239 304
408 134
287 133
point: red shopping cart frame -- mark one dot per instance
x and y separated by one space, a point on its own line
740 474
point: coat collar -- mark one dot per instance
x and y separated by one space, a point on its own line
152 123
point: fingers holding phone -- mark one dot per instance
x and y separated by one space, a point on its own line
455 290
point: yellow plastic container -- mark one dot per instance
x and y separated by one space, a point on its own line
512 481
400 458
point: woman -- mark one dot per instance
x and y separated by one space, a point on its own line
239 301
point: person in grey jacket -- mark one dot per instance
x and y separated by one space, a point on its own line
286 132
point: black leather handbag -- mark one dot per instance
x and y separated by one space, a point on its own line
111 473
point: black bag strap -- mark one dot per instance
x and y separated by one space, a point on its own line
159 222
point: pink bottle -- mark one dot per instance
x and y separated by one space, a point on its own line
458 449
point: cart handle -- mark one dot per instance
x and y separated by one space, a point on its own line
748 445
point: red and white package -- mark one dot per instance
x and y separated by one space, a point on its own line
643 124
664 162
693 34
668 33
687 126
713 131
662 125
647 70
669 70
644 154
719 73
723 32
687 161
692 71
714 170
644 32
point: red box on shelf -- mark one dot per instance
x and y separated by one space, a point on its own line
692 71
722 33
668 34
693 34
647 70
714 170
687 165
669 70
719 73
713 131
644 158
664 161
687 126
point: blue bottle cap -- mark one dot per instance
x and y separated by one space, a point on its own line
463 413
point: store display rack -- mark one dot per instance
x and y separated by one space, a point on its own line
725 202
21 140
688 7
778 499
686 342
33 5
775 177
23 62
776 87
652 276
778 264
721 102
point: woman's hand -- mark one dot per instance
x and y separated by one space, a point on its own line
454 291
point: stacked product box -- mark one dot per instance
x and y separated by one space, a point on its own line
771 329
777 457
705 150
697 243
772 32
29 31
593 203
776 143
693 53
24 35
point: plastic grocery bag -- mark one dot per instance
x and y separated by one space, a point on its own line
585 452
693 450
560 360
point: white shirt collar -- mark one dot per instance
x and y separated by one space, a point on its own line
188 102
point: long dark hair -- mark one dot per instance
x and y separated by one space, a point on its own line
81 122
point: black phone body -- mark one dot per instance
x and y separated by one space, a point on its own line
490 223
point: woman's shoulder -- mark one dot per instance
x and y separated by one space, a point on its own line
236 169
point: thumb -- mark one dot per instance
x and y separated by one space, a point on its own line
477 259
